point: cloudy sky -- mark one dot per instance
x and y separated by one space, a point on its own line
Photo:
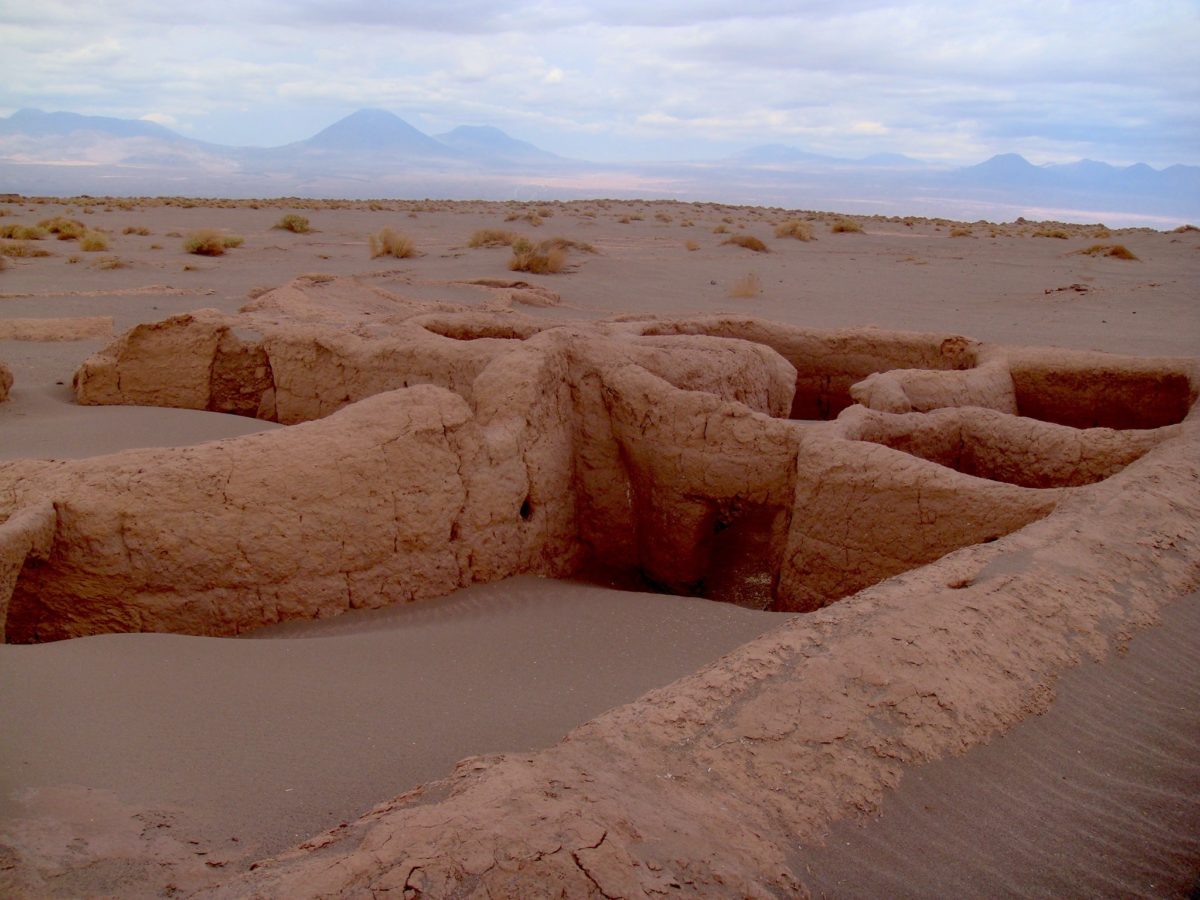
957 80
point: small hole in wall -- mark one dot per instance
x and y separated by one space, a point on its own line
526 510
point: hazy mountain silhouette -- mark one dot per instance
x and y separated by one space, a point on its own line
34 122
375 153
484 142
375 130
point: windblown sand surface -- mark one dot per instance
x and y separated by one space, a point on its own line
119 751
306 725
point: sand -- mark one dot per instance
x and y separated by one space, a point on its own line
302 726
119 750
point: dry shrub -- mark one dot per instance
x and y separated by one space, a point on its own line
721 229
66 229
93 242
749 241
961 231
542 259
493 237
1184 229
846 226
294 223
22 232
3 263
21 249
1058 233
1117 251
794 228
692 245
210 242
745 287
391 243
135 229
531 217
111 262
561 243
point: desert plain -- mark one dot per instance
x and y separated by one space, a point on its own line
625 663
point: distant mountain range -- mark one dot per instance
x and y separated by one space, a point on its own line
374 153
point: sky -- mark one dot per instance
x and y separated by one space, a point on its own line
625 80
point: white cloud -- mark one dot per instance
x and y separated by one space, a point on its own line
942 78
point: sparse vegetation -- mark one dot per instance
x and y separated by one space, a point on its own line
136 229
1184 229
1117 251
21 250
961 231
493 237
846 226
210 242
65 229
93 242
691 245
540 259
749 241
1059 233
562 243
111 262
293 222
391 243
721 229
794 228
22 232
745 287
531 217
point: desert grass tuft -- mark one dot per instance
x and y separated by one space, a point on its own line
846 226
391 243
541 259
93 242
111 262
1058 233
691 245
136 229
493 237
22 232
794 228
65 229
294 223
210 242
1117 251
746 287
749 241
21 250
